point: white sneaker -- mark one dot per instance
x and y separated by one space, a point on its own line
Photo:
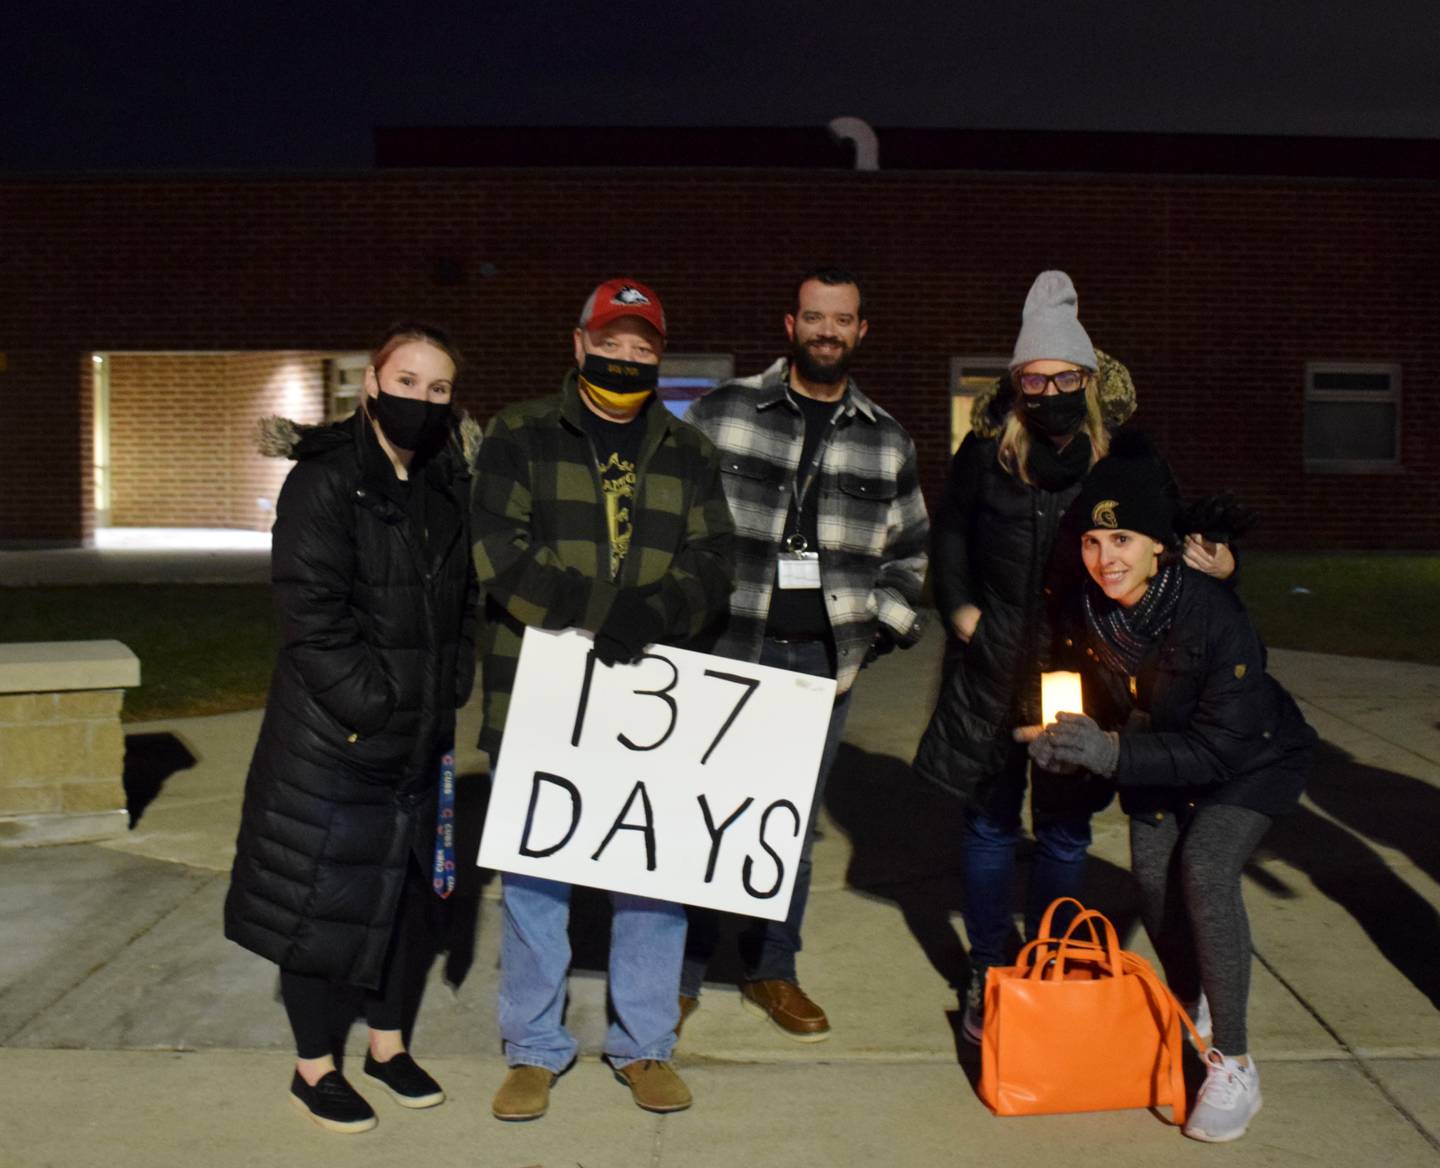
1228 1100
1199 1011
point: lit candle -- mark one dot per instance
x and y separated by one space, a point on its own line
1060 691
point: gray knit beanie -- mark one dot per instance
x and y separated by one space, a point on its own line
1050 330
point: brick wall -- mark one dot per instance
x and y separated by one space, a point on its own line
61 752
258 385
1215 293
182 450
168 457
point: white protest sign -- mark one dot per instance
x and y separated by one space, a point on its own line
685 777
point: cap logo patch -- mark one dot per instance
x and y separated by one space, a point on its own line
630 295
1239 672
1103 514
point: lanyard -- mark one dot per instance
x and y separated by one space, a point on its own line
443 864
799 491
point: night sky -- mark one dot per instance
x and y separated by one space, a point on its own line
213 84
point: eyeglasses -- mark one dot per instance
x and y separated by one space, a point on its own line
1066 381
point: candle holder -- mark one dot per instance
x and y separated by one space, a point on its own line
1060 691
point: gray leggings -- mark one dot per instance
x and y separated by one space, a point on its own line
1188 867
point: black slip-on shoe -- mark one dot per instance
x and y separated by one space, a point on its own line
333 1104
403 1078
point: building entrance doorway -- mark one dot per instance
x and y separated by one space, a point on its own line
174 432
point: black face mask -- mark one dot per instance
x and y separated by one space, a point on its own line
409 423
1055 414
620 376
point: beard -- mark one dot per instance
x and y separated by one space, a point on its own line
812 368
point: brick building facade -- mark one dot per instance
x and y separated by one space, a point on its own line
1221 294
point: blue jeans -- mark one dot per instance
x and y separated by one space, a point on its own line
647 939
768 948
992 830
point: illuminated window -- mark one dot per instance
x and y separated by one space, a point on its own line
687 376
344 377
1352 417
970 377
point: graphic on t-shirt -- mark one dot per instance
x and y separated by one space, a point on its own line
617 479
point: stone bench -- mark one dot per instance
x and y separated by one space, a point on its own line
62 752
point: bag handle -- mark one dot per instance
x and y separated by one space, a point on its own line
1167 1006
1041 954
1073 947
1048 919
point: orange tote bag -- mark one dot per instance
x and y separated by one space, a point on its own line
1078 1024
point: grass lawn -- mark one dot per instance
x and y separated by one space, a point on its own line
203 648
209 648
1356 605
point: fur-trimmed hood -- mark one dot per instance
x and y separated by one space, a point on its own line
279 437
1117 399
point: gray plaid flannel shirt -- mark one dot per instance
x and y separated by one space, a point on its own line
872 523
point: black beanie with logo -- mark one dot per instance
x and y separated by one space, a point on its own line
1130 489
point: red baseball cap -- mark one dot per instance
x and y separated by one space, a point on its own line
622 297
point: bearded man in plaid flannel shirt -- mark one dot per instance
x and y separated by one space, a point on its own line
831 537
597 509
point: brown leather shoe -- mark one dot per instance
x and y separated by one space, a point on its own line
788 1007
688 1006
525 1094
654 1085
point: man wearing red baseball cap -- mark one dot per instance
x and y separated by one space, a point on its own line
552 475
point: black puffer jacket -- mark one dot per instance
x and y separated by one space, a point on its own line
993 539
1216 727
377 651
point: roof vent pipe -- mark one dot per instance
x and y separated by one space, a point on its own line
867 146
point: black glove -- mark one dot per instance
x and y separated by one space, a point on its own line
1076 739
884 642
630 626
1217 518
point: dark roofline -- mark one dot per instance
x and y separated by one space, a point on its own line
815 148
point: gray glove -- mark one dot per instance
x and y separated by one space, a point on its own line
1077 740
1042 751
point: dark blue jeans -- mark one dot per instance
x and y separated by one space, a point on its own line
768 948
992 831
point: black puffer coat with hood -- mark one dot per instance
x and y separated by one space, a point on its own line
993 540
376 618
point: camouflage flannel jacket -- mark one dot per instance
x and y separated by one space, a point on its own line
542 545
872 523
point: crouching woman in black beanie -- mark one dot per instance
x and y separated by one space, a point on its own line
1204 746
346 835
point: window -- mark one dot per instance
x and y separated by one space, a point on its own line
344 377
687 376
1352 416
970 377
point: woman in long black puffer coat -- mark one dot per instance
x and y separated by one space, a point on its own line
351 784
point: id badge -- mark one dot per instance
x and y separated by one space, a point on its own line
798 568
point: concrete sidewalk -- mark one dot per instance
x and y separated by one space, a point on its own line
132 1033
139 555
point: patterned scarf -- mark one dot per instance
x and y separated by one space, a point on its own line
1122 636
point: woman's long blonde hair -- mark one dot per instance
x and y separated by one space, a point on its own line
1015 438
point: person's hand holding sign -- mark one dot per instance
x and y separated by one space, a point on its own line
630 625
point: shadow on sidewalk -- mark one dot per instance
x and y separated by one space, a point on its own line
1379 806
906 840
150 759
